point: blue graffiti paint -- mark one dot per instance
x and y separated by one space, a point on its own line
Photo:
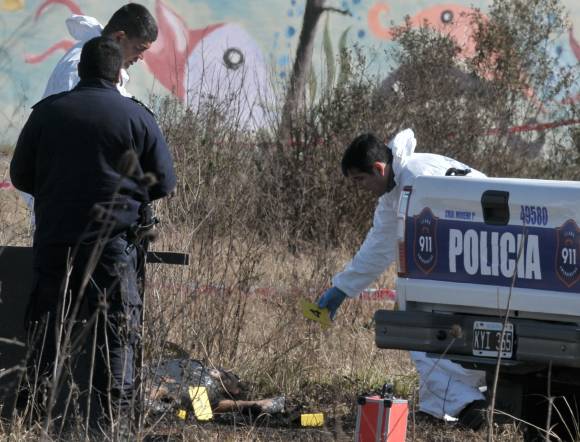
356 2
284 60
361 33
290 13
276 41
290 31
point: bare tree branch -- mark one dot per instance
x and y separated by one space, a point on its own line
337 10
302 64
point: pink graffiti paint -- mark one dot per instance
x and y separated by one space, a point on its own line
219 60
449 19
70 4
64 45
574 44
217 63
168 57
6 185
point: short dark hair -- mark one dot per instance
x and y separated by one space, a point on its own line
135 20
363 152
101 57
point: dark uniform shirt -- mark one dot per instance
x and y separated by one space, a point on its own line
68 155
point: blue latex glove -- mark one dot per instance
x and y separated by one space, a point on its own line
331 299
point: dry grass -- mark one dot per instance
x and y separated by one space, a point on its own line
13 211
255 211
280 352
261 335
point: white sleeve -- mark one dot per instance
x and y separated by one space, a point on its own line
64 77
122 84
376 253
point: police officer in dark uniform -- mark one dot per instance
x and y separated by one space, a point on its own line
91 158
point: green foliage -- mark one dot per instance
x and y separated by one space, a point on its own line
344 59
312 87
329 56
331 63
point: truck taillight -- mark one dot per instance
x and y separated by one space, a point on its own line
401 239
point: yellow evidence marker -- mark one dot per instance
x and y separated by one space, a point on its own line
200 403
314 313
312 420
11 5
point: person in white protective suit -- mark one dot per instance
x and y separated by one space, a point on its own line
132 26
445 388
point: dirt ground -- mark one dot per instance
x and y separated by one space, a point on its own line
421 428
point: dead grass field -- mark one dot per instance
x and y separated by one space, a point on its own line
13 211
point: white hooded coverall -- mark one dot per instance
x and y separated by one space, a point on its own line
445 388
65 75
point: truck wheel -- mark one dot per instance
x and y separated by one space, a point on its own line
520 396
564 420
509 396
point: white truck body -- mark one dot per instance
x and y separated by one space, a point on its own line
476 262
468 247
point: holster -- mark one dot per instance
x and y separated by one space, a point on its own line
137 233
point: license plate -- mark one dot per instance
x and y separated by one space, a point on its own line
487 336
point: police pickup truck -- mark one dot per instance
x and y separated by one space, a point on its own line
489 269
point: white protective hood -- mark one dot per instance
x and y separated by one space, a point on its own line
402 146
64 77
83 28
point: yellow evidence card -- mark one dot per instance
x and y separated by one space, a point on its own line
314 313
312 420
200 403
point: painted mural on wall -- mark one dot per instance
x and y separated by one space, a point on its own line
212 47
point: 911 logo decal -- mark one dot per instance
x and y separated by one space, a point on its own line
425 242
567 253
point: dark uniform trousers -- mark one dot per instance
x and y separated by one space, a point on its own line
114 306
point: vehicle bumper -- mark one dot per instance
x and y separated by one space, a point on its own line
535 342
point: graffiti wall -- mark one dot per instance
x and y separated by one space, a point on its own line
212 40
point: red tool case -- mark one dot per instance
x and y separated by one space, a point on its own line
381 418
